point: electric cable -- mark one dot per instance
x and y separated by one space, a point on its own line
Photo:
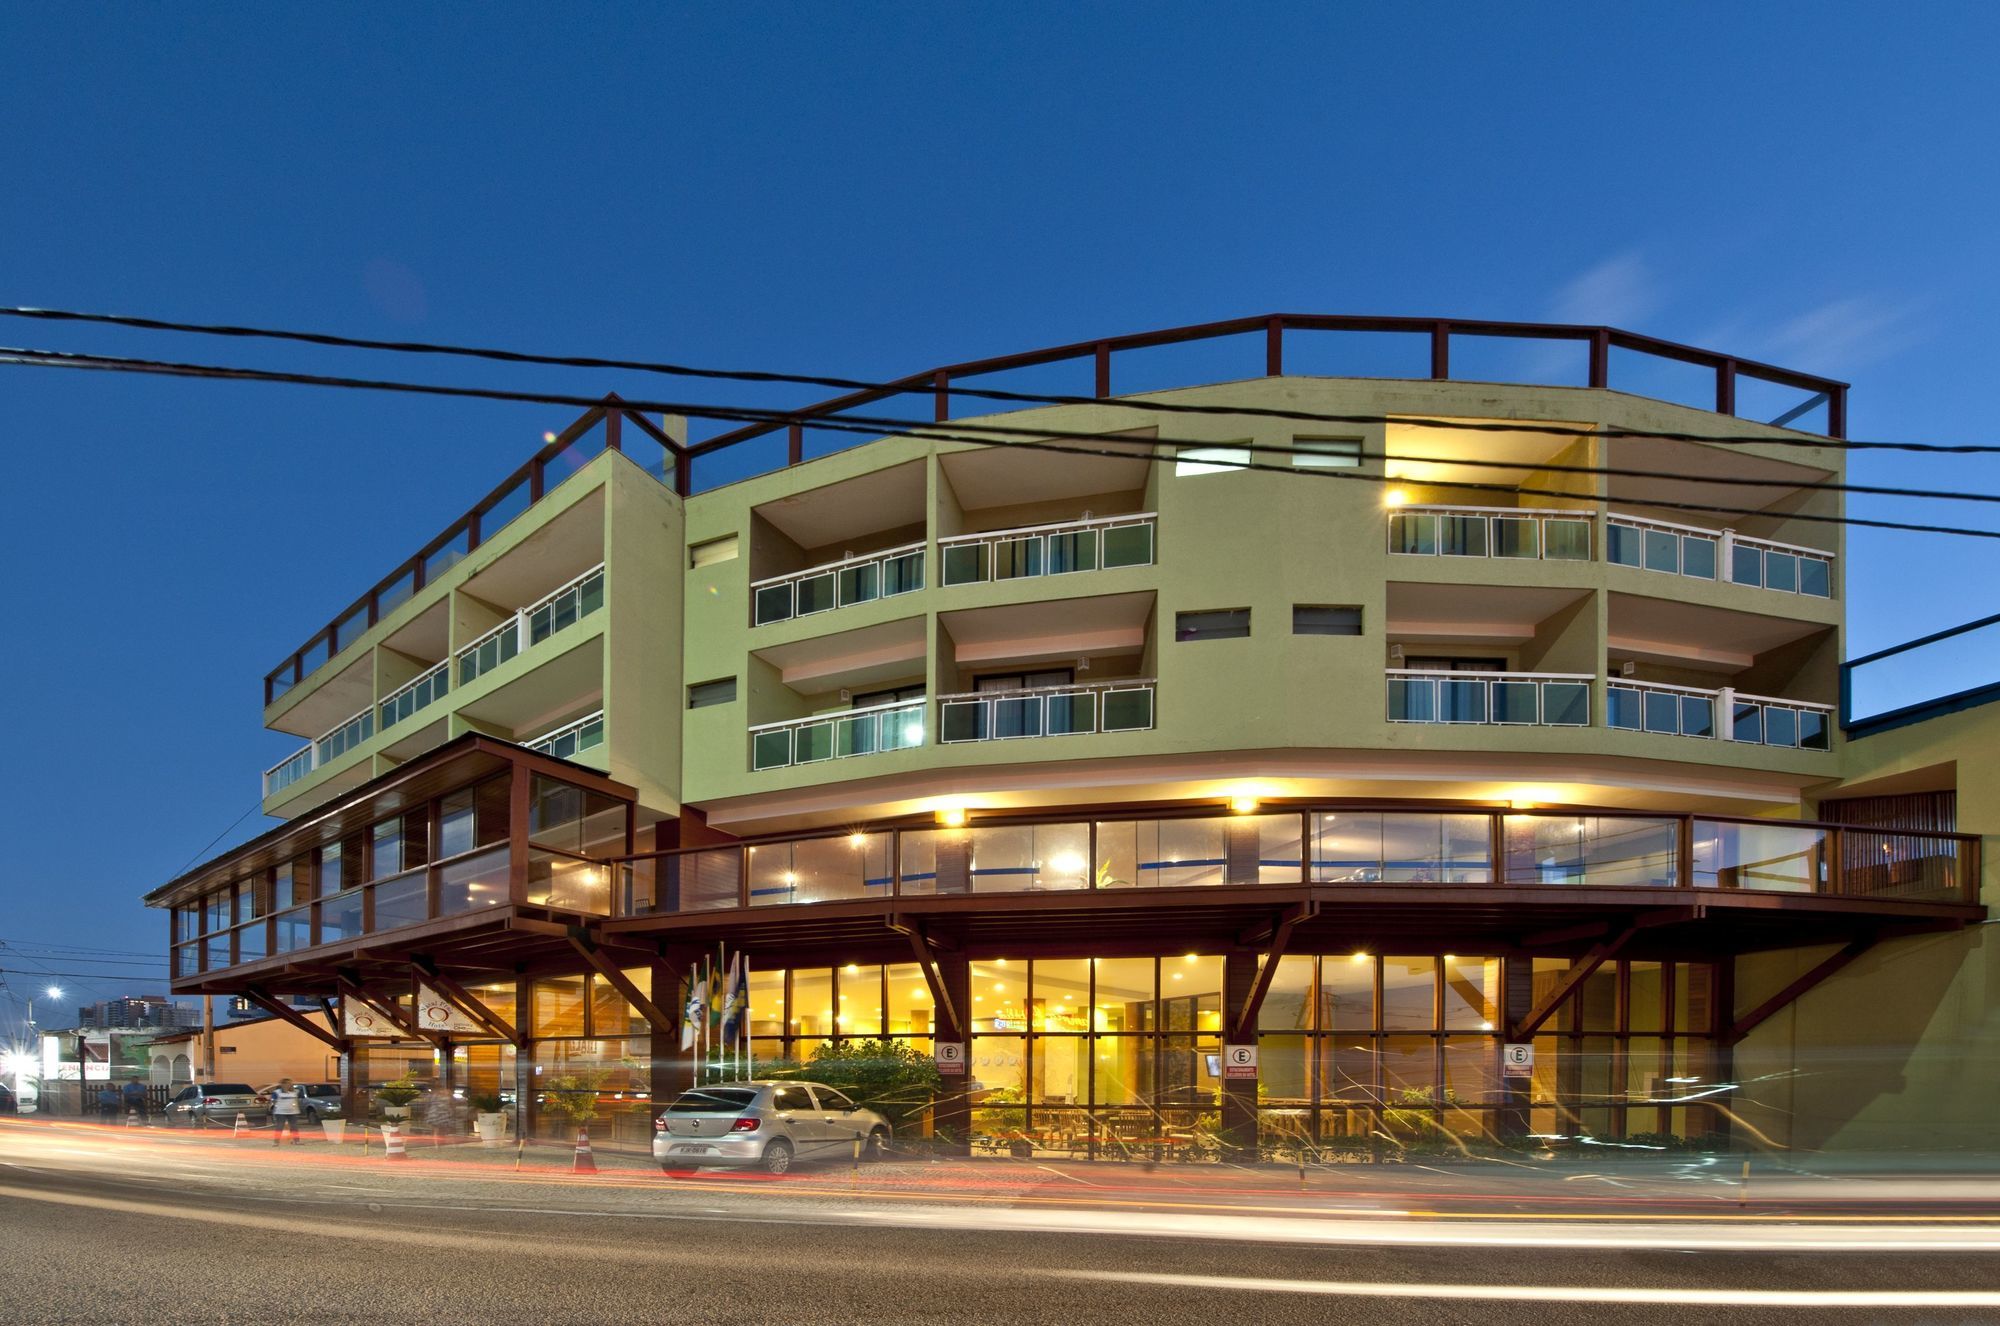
923 384
993 435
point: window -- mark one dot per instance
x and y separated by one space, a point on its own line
1209 460
1025 681
1321 619
1213 624
894 695
712 551
705 693
1326 453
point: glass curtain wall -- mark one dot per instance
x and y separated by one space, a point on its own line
1631 1055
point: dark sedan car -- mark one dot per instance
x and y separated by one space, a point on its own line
216 1105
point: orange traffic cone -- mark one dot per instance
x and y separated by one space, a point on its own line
242 1127
585 1162
392 1143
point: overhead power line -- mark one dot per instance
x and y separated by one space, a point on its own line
920 385
990 435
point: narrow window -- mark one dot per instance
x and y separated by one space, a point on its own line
1326 453
1213 624
1323 619
705 693
711 552
1209 460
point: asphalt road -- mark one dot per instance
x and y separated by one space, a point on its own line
153 1230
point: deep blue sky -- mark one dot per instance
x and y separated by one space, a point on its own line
862 190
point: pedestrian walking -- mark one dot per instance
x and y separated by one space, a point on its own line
135 1097
287 1103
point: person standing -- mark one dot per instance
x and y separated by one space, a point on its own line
287 1103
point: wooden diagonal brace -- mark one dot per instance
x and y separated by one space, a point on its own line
1602 953
921 948
280 1009
464 1001
580 940
1744 1025
1281 938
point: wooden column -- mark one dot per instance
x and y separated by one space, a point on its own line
1239 1095
952 1117
524 1057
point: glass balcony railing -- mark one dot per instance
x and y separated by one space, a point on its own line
345 736
1050 711
1723 714
1517 699
421 693
1104 543
288 771
565 741
1704 554
1471 531
848 732
532 625
876 575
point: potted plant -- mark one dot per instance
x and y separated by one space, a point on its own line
573 1096
490 1123
396 1096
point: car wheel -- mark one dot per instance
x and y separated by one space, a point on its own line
778 1156
878 1145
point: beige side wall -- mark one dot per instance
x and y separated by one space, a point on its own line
1901 1048
261 1052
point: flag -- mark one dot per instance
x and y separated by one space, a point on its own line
697 1009
735 999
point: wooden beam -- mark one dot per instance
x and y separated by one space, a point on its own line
463 1000
1281 937
580 940
921 949
1744 1025
1604 951
277 1008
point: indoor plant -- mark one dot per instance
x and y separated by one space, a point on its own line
490 1123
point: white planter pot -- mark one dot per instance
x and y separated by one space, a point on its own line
395 1111
492 1127
335 1129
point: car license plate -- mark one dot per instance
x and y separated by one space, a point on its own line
685 1149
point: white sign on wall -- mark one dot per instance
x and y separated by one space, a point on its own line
357 1019
436 1013
1517 1059
1239 1061
950 1056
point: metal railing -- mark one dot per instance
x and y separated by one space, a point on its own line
1551 534
419 694
1723 713
848 732
1104 542
1524 699
345 736
567 740
1707 554
288 771
1047 711
533 624
852 580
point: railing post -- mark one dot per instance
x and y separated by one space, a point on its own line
1600 357
1725 714
613 436
1274 348
683 472
1834 855
1725 558
1836 412
1685 865
942 384
743 877
1103 369
1441 351
1725 386
795 443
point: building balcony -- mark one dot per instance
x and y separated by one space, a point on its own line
861 579
1720 714
571 739
533 624
1559 534
1124 705
1102 543
839 735
1519 699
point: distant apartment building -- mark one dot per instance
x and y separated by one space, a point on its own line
1288 754
138 1012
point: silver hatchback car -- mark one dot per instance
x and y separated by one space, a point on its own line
769 1124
